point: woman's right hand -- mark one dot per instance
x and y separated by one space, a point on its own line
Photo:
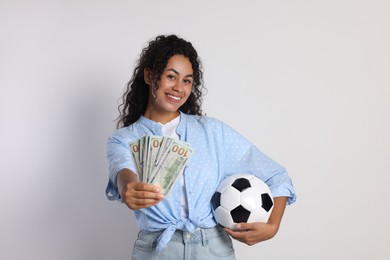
138 195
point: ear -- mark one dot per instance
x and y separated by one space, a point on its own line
148 76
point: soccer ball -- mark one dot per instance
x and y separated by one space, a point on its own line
241 198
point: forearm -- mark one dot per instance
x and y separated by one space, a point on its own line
125 176
277 213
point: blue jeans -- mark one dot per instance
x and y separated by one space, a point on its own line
203 243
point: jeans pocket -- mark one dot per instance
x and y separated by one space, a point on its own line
146 241
221 246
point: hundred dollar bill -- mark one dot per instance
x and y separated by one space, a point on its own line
135 151
160 160
162 145
161 155
145 157
170 145
153 149
141 157
172 165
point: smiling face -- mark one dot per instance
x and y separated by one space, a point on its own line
174 88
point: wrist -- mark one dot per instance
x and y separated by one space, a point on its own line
124 177
274 229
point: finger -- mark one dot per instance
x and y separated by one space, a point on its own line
142 198
144 201
229 231
135 207
146 195
135 204
245 226
143 190
140 186
145 204
236 235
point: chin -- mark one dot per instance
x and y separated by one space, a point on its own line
173 108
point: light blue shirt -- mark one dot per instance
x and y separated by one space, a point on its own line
219 151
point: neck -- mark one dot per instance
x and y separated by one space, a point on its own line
162 118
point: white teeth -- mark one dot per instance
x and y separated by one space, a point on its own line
174 97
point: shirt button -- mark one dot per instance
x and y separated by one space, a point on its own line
188 236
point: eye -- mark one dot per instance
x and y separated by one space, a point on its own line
188 81
170 77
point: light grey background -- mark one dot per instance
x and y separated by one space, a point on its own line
306 81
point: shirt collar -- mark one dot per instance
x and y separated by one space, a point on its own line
182 126
150 124
157 127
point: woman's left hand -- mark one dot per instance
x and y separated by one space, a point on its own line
253 233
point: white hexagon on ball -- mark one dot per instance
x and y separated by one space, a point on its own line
230 198
251 199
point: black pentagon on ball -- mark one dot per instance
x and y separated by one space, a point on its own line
216 200
240 214
267 201
241 184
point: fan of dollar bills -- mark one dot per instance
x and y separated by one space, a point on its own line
160 160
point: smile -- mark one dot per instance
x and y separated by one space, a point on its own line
174 97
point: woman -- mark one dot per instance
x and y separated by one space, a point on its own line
164 98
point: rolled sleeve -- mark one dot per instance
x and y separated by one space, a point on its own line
281 186
272 173
255 162
119 157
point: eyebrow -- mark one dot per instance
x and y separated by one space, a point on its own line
177 73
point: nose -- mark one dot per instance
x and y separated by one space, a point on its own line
178 87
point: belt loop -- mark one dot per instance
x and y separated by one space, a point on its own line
204 238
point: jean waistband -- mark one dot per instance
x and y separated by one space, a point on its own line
198 235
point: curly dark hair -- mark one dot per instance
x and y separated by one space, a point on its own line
155 57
